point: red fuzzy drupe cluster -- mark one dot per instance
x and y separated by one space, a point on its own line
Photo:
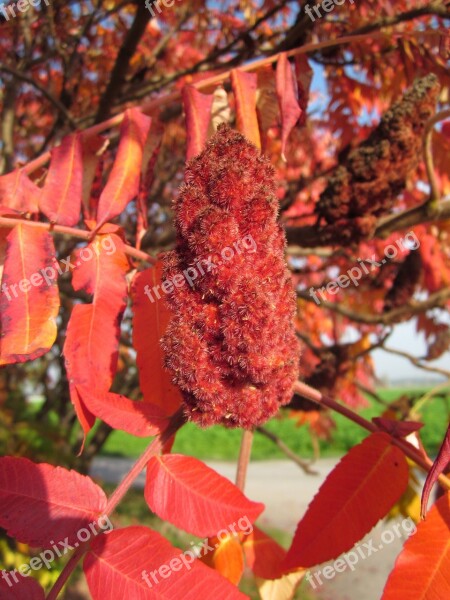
231 344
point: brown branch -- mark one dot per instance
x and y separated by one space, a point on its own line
72 232
433 9
305 466
388 318
56 103
126 53
417 362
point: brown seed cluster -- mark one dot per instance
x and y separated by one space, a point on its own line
370 179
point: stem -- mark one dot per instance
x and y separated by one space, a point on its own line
424 462
177 421
244 458
77 233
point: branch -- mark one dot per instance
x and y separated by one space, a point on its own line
434 8
56 103
315 396
286 450
126 53
417 362
77 233
408 310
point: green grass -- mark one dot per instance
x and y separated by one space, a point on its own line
218 443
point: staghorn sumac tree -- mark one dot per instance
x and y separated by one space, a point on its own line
115 304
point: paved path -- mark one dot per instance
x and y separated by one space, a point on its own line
286 491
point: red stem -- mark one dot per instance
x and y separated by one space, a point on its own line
154 448
315 396
244 458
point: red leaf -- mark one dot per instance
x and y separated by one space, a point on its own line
138 418
92 338
28 305
184 491
360 490
117 563
25 588
62 194
422 570
439 466
197 107
146 185
287 98
18 192
123 182
397 429
263 555
150 320
304 75
93 148
244 88
41 504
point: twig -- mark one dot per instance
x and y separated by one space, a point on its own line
286 450
56 103
417 363
244 458
77 233
315 396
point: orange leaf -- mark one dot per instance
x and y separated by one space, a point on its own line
197 107
92 338
422 571
62 194
18 192
263 555
244 88
150 321
227 557
123 181
29 301
287 98
360 491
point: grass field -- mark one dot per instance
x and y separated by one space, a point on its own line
218 443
